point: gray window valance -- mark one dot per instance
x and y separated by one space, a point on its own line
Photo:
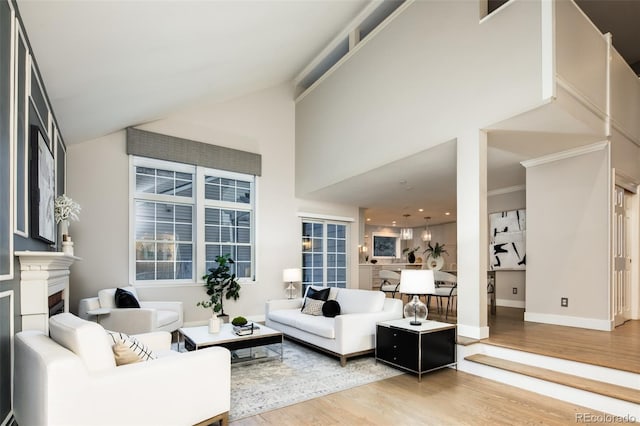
170 148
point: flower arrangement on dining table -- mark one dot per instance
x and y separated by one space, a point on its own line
65 209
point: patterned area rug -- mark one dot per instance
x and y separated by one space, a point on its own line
303 374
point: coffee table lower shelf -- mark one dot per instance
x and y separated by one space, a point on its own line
260 346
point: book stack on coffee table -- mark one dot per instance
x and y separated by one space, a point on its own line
245 330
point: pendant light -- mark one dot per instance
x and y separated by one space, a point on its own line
426 234
406 233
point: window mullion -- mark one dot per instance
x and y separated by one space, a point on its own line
201 205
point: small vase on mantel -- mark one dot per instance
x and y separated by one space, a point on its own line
214 324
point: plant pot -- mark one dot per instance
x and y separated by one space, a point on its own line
214 325
435 263
411 257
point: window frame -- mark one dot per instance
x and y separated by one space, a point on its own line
199 203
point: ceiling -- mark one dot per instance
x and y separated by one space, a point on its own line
137 61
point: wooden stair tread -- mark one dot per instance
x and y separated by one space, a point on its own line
466 341
589 385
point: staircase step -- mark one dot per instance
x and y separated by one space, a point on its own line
589 385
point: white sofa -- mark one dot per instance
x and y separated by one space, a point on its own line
151 316
349 334
71 378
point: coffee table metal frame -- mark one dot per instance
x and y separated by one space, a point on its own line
194 338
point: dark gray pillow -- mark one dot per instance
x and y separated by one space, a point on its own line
125 299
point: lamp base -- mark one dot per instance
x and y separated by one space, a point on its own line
415 323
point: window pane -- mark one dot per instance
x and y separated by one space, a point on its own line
244 219
164 212
212 192
145 184
184 214
145 211
317 230
145 231
185 252
244 235
183 232
244 254
145 251
212 216
212 234
164 231
145 271
184 270
307 229
164 251
164 271
226 234
164 186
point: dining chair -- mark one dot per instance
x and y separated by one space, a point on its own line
390 282
446 287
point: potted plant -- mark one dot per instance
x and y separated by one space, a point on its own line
411 253
434 255
220 284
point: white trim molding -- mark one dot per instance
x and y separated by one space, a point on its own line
506 190
9 294
569 321
511 303
473 332
562 155
325 217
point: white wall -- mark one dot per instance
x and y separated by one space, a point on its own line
389 97
261 122
568 253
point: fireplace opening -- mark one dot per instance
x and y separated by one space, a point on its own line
56 303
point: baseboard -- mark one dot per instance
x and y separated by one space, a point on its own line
510 303
472 331
579 322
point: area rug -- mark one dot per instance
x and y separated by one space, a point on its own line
302 375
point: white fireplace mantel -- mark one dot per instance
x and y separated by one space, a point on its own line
42 273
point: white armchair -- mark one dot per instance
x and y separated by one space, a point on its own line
151 316
71 378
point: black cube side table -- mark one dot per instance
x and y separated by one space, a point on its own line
418 349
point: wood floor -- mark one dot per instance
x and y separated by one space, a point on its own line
450 397
619 349
444 397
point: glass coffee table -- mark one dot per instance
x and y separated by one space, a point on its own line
262 345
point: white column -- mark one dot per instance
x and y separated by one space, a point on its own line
472 225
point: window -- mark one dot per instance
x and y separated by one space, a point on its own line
185 216
324 253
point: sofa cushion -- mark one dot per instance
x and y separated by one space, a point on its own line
167 317
127 349
86 339
331 308
353 301
319 325
125 299
313 307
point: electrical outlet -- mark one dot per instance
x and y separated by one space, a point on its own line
564 302
515 290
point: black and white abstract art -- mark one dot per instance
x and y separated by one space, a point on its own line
507 240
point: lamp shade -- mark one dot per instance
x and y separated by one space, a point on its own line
417 281
292 275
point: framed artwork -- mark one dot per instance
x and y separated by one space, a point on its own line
42 188
507 241
386 245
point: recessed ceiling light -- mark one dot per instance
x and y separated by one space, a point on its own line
368 219
447 213
420 210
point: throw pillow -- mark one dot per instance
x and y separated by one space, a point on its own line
125 299
313 307
331 308
312 293
127 349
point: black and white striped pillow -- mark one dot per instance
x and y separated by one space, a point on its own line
127 349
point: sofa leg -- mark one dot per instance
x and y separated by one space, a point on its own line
343 361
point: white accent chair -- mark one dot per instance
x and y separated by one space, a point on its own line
151 316
390 282
71 378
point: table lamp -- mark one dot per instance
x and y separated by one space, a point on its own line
415 282
291 275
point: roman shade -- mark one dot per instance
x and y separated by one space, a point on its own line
170 148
